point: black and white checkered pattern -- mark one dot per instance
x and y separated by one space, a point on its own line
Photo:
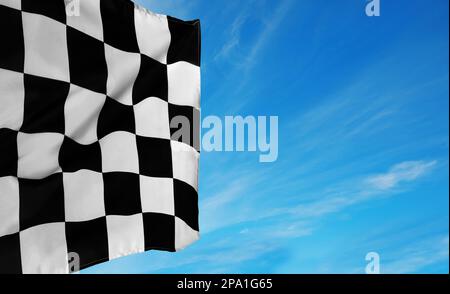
87 163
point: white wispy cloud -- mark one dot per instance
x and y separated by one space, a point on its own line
224 197
248 54
356 191
234 36
271 26
403 172
253 24
235 203
404 246
294 229
417 255
222 207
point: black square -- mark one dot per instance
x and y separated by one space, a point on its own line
186 203
151 80
87 61
118 25
155 157
55 9
10 262
44 105
185 41
8 153
122 193
89 240
12 49
159 231
114 117
193 116
41 201
74 156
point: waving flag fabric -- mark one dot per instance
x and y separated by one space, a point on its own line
88 161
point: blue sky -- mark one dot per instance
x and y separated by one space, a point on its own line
363 138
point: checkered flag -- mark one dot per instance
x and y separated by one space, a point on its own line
89 166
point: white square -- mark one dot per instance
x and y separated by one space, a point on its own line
125 235
83 196
87 18
12 3
9 205
38 154
123 69
43 249
12 98
184 84
157 195
45 47
119 153
153 34
185 163
184 234
81 113
152 118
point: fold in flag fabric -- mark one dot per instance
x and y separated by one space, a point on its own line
90 169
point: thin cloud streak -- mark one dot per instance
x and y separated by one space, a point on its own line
403 172
270 27
349 192
418 255
367 189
